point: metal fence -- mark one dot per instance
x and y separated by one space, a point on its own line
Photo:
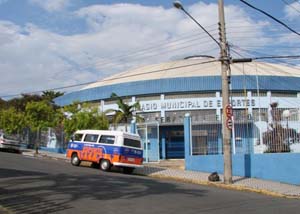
264 131
50 138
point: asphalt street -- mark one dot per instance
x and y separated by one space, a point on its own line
34 185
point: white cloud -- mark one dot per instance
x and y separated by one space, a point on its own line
30 61
51 5
292 10
126 26
35 58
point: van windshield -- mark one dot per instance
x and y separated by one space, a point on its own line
132 143
78 137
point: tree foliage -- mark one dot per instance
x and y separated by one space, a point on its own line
11 120
40 115
21 102
3 104
49 96
83 116
38 112
125 111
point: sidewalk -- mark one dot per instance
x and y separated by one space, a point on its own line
169 171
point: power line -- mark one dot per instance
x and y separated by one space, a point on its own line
152 49
274 58
144 50
277 57
270 16
270 46
247 76
110 79
49 89
148 54
159 45
145 53
290 5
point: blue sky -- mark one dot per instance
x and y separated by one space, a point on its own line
53 43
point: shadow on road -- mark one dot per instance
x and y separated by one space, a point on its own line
34 192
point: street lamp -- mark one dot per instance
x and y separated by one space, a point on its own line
178 5
226 132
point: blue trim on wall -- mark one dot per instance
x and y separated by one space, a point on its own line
182 84
281 167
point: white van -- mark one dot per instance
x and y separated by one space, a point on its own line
106 149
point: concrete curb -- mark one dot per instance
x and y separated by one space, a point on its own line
227 186
157 172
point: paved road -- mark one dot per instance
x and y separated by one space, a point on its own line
29 185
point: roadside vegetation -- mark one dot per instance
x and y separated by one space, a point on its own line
125 112
38 112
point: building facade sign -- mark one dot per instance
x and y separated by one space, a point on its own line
211 103
194 103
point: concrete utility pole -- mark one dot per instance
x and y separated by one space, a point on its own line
225 96
226 127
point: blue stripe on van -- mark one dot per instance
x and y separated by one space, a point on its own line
107 149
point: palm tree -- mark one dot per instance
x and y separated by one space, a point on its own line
50 95
125 112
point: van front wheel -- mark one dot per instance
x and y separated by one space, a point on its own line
75 161
105 165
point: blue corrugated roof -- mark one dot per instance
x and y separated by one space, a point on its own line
185 84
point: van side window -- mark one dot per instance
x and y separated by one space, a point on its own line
132 143
91 138
78 137
107 139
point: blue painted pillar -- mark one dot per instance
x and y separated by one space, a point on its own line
133 127
187 135
163 146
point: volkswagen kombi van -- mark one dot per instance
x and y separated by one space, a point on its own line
106 149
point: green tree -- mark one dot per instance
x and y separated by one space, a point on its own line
51 95
11 121
83 116
21 102
40 115
3 104
125 111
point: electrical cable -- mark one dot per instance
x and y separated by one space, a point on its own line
109 79
291 6
272 17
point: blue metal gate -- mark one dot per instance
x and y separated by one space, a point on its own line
149 133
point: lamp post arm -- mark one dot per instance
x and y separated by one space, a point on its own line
182 8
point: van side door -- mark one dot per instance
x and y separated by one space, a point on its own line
89 147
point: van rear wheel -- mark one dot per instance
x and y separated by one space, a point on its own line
105 165
75 161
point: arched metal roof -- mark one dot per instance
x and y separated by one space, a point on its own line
192 75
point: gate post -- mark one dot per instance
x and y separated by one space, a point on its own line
133 127
187 135
163 146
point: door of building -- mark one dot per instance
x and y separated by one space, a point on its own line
149 133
